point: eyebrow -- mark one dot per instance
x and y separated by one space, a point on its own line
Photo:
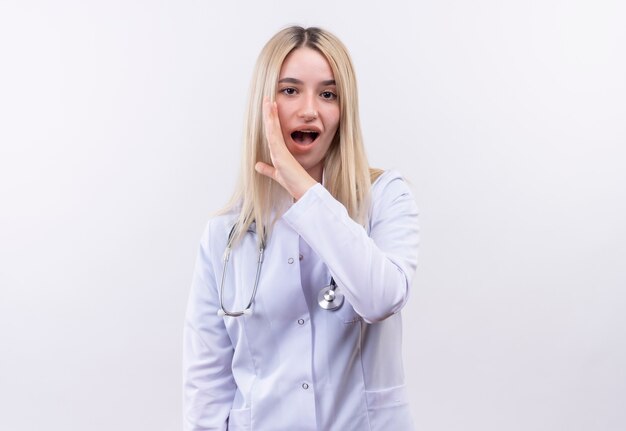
297 81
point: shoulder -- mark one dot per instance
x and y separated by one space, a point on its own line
391 197
389 182
216 231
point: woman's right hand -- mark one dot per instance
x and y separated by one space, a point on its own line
284 169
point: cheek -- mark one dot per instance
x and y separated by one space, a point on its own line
330 115
333 123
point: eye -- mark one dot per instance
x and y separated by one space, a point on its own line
328 95
289 91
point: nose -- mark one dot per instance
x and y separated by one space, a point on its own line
309 115
308 110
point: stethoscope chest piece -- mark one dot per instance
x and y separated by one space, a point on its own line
329 298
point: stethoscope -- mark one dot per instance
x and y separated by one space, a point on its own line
328 298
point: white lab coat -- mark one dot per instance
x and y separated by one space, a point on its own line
292 365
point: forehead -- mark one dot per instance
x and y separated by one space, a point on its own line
306 62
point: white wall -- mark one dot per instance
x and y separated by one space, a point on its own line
119 134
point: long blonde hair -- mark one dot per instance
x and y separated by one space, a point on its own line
347 177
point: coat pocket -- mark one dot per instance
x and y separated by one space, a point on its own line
346 313
239 419
387 397
389 409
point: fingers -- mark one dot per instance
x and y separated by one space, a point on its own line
269 119
273 132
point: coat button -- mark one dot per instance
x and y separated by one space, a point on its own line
290 260
305 386
300 321
300 257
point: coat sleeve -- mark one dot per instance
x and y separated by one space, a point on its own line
208 385
375 271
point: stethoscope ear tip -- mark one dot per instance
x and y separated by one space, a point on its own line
247 311
221 312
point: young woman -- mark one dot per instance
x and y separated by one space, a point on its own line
293 320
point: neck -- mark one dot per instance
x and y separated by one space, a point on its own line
316 172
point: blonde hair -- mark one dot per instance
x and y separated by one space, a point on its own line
347 176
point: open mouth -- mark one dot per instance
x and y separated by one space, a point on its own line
304 137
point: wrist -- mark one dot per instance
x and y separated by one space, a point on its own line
306 185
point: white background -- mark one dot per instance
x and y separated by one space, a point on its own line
120 126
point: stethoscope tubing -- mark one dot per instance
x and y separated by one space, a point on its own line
328 298
223 311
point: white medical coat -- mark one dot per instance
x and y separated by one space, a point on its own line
292 365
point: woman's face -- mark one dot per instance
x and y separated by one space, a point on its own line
308 108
